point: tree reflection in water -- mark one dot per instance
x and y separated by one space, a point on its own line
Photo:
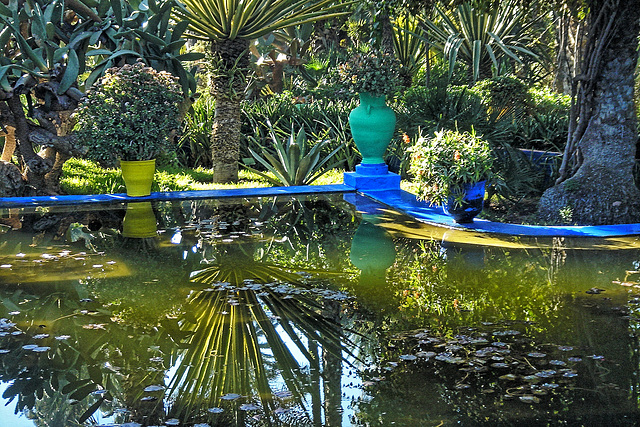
237 317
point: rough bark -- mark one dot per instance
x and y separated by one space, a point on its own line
228 89
602 190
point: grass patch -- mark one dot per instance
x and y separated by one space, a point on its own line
82 177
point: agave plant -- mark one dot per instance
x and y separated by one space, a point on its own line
480 39
294 163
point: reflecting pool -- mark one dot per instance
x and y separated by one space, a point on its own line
328 310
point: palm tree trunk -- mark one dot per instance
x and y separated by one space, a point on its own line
603 190
228 90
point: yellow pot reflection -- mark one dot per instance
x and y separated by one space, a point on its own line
139 221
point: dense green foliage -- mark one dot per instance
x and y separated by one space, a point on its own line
372 72
130 114
443 164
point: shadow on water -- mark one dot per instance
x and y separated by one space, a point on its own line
287 312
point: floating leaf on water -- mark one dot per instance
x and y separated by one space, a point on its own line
529 399
201 425
408 357
537 355
540 392
550 385
216 410
156 359
280 411
248 407
231 396
565 348
6 266
425 354
63 337
499 365
98 392
531 378
94 326
4 351
284 394
506 333
500 344
14 313
546 374
570 374
595 357
172 422
508 377
557 362
148 399
575 359
152 388
29 346
40 336
16 333
41 349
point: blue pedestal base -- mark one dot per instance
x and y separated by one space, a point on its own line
373 177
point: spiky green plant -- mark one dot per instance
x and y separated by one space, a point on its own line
294 162
480 39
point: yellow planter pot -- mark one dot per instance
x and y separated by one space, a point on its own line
138 176
139 221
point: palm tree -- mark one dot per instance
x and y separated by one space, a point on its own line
231 26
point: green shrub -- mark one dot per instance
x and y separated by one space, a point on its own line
441 107
503 92
443 164
129 114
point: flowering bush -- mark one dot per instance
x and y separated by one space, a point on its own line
129 114
373 72
444 163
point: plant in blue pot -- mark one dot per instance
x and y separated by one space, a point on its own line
372 75
451 169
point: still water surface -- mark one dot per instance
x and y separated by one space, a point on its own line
308 312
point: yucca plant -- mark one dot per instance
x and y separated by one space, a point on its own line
409 47
480 39
231 25
294 162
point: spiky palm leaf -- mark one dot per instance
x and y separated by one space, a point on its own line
250 19
479 39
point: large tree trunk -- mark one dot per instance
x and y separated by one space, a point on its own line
228 88
602 190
